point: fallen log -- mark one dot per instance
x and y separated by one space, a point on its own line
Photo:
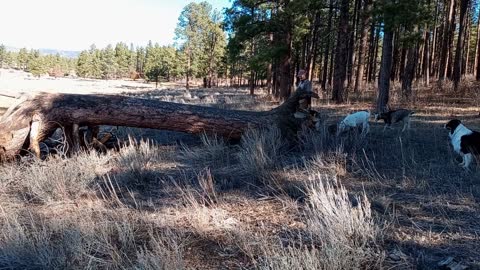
34 119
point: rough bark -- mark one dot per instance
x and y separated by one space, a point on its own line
351 59
433 65
33 120
362 50
397 57
341 55
385 70
327 49
477 54
409 73
373 68
447 32
269 68
189 66
426 57
285 68
457 66
312 47
371 51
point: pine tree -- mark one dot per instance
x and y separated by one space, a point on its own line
3 55
36 64
84 64
201 38
122 59
22 58
109 66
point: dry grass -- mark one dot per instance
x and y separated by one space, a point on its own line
55 179
86 239
391 200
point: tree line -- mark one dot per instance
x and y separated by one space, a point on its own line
32 61
342 44
199 52
345 44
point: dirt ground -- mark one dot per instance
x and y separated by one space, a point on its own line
15 82
428 207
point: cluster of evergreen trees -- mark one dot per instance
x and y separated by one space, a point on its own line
346 43
153 61
32 61
199 53
343 44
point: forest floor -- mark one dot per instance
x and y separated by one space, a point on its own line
169 200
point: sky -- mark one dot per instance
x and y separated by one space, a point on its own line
76 24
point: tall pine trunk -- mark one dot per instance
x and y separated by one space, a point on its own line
397 50
362 49
312 47
477 54
426 57
447 33
327 56
351 43
373 68
457 66
433 48
385 70
341 54
189 68
285 67
409 72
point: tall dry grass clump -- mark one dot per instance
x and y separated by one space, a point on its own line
86 240
55 179
341 234
344 227
260 152
137 161
213 153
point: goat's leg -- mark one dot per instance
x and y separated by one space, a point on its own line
467 160
404 125
35 127
365 128
75 137
463 160
68 133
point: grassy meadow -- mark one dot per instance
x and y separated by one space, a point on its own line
168 200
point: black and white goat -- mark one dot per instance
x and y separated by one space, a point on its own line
395 116
465 142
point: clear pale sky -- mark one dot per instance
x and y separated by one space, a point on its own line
76 24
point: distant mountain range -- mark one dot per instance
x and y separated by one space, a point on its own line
68 54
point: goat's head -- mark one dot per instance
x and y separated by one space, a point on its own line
379 116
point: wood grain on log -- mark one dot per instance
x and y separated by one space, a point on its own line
34 119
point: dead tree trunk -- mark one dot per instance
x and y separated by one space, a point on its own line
33 120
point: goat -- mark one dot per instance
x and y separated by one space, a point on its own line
394 116
355 120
